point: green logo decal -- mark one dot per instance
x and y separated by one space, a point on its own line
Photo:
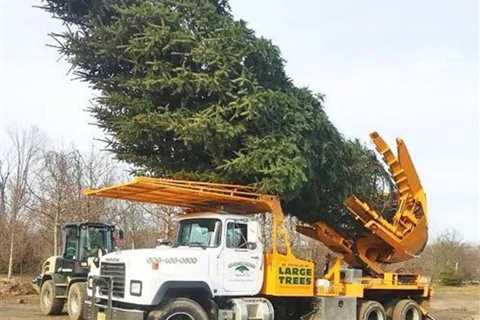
242 268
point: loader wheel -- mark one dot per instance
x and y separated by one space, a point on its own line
179 309
407 309
49 305
371 310
76 297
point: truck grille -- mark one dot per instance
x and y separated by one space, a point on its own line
117 272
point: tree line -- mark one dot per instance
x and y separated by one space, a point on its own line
40 189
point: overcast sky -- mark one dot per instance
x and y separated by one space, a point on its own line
403 68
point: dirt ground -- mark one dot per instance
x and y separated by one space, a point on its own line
456 303
11 309
449 303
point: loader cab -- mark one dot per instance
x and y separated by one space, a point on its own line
84 240
63 277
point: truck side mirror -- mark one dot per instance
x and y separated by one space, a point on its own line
251 245
163 242
118 237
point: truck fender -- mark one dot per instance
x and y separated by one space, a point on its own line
200 287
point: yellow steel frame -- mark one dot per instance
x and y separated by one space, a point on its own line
387 282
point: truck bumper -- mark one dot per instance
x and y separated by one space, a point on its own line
101 312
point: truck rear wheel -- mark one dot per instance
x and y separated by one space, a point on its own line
76 298
407 309
371 310
179 309
49 305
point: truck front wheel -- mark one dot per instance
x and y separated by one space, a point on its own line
76 298
49 305
179 309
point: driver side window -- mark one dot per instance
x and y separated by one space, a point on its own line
237 235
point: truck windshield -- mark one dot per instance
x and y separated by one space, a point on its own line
199 233
93 238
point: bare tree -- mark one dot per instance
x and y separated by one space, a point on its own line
63 176
4 174
24 154
94 169
449 254
162 217
56 191
447 259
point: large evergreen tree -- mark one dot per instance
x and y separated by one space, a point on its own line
188 91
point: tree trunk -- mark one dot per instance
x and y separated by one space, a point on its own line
55 235
133 239
10 260
2 201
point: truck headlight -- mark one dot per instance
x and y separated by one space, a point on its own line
135 288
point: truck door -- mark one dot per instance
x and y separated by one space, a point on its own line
242 259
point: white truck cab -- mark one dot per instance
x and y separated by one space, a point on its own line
214 255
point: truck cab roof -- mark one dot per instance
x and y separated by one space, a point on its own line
87 224
213 215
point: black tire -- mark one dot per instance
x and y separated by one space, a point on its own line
286 309
179 309
371 310
49 305
407 309
76 297
389 306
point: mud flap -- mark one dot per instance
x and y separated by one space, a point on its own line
427 315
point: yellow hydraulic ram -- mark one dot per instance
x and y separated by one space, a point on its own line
401 238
